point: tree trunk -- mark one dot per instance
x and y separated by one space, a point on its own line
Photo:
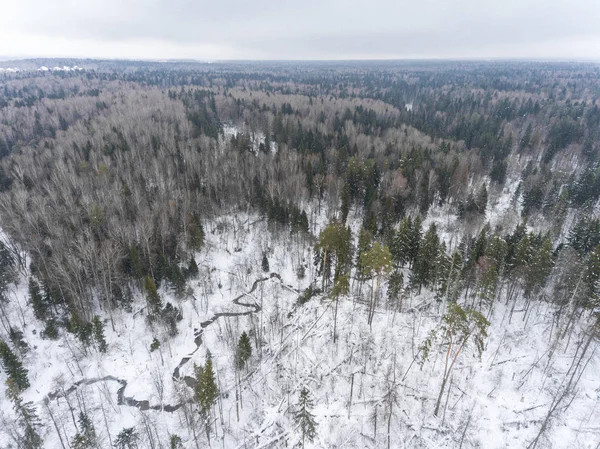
441 393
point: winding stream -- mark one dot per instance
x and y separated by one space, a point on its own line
144 405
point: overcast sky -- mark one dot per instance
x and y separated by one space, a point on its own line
301 29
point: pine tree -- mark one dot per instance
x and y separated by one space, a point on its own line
304 417
265 263
458 328
126 439
86 437
99 334
13 367
375 262
243 351
341 286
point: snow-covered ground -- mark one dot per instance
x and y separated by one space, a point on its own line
499 400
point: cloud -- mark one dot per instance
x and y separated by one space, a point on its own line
311 29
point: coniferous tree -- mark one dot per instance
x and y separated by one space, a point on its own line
375 262
424 269
26 416
192 269
243 351
195 233
265 263
395 286
152 296
175 442
85 438
41 308
401 243
341 286
304 417
458 328
99 334
127 439
414 241
13 367
18 341
205 390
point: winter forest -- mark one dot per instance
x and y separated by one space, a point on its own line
299 255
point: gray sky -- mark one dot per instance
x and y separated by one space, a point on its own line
302 29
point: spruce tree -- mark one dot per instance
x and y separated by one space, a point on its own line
86 437
13 367
243 351
265 263
192 269
205 390
99 334
16 338
195 233
41 308
175 442
152 296
401 243
425 267
304 417
414 241
126 439
26 416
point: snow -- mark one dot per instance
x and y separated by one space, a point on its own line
503 396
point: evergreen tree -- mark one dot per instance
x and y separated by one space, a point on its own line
26 416
152 296
458 328
243 351
365 241
16 338
13 367
175 442
195 233
41 308
395 285
304 417
99 334
481 200
205 390
86 437
375 262
334 248
206 386
265 263
424 271
401 243
192 269
341 286
414 241
126 439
